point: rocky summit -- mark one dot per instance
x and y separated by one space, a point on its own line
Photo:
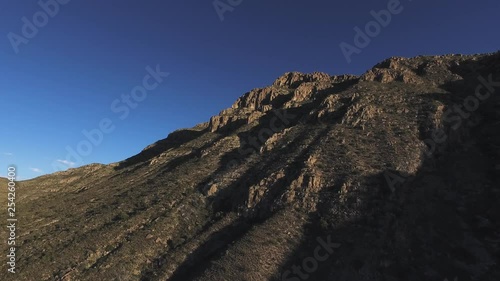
391 175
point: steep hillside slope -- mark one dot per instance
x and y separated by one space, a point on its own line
394 174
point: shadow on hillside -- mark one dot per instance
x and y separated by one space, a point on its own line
336 88
252 141
232 197
236 194
422 231
199 260
440 224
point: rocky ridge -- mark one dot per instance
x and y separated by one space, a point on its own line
397 167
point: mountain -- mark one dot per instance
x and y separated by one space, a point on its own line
391 175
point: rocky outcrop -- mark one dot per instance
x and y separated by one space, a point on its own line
257 99
294 79
288 91
390 70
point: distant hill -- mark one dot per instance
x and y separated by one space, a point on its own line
392 175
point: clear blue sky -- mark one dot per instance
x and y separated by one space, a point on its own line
65 78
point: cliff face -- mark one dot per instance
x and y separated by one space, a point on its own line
393 174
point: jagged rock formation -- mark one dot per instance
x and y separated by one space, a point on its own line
398 169
288 91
